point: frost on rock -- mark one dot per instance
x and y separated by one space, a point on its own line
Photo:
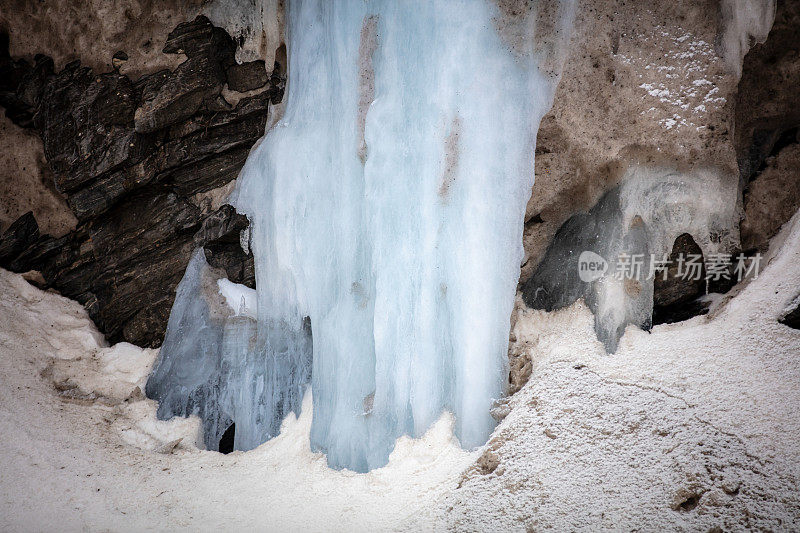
386 210
641 218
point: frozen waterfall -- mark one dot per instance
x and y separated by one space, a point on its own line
386 207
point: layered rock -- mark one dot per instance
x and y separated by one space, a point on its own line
139 162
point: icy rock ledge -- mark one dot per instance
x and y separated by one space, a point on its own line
642 216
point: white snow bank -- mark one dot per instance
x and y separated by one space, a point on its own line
89 453
695 426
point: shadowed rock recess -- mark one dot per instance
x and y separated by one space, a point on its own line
767 122
135 159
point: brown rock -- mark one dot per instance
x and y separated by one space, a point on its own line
133 191
638 86
247 76
771 198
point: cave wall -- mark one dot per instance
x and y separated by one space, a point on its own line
26 182
684 85
644 83
92 31
142 164
768 119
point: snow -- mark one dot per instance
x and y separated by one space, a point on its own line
74 459
706 408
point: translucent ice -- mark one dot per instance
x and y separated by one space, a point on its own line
387 206
212 364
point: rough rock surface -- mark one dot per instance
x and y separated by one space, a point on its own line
24 232
660 86
641 84
670 289
98 29
771 198
26 182
132 157
767 121
675 296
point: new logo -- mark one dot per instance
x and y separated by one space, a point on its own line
591 266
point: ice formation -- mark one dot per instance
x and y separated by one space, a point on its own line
641 218
210 364
744 23
386 209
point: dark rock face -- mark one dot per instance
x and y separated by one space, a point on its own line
197 81
767 123
219 234
792 317
675 289
247 77
556 282
674 298
21 234
128 155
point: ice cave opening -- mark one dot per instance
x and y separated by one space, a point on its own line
226 442
387 205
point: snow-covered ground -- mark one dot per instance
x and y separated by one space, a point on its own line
81 449
693 426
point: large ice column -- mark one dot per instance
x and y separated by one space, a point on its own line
386 207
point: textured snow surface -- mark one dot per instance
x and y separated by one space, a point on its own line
695 426
83 450
704 413
386 210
